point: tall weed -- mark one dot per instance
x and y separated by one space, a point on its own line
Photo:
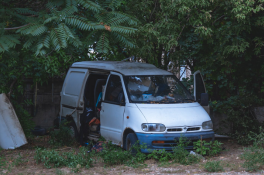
254 155
61 137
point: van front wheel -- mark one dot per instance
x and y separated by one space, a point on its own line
131 140
73 131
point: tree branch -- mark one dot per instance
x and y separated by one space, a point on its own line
11 88
181 32
218 19
14 28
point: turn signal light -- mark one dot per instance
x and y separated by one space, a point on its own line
158 142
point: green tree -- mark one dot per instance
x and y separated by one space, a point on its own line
46 26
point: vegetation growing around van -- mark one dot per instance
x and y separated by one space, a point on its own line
114 155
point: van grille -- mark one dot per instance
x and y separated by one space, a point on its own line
183 129
193 129
174 129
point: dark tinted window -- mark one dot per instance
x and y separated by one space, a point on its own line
114 90
199 87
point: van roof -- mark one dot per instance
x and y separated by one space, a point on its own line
125 68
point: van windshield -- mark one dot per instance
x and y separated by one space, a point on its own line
156 89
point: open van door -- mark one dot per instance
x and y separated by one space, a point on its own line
200 94
73 86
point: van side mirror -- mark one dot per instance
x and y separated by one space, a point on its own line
204 99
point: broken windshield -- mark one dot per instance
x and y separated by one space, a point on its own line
156 89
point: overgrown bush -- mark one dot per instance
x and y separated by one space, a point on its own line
241 116
254 155
24 117
62 136
213 166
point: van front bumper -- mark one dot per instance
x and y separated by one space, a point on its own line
169 140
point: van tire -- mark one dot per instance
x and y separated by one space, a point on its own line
131 140
74 130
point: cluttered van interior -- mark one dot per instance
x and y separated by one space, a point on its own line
90 118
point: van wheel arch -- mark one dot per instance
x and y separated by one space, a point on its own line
126 132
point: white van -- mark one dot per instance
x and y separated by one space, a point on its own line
139 102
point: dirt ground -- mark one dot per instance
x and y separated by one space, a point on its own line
229 157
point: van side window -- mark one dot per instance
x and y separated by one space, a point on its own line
114 90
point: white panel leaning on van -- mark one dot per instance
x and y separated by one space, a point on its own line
125 102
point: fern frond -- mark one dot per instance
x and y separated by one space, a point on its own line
90 5
75 41
68 11
122 18
65 29
91 38
38 30
112 4
82 23
51 7
29 42
40 51
102 45
46 41
34 29
58 39
123 29
25 11
42 45
125 41
50 19
71 3
8 41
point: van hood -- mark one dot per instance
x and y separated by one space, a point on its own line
183 114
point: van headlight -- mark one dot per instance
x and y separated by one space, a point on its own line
207 125
153 127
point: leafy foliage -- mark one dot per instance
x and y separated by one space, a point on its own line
24 117
53 158
223 39
61 24
207 148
